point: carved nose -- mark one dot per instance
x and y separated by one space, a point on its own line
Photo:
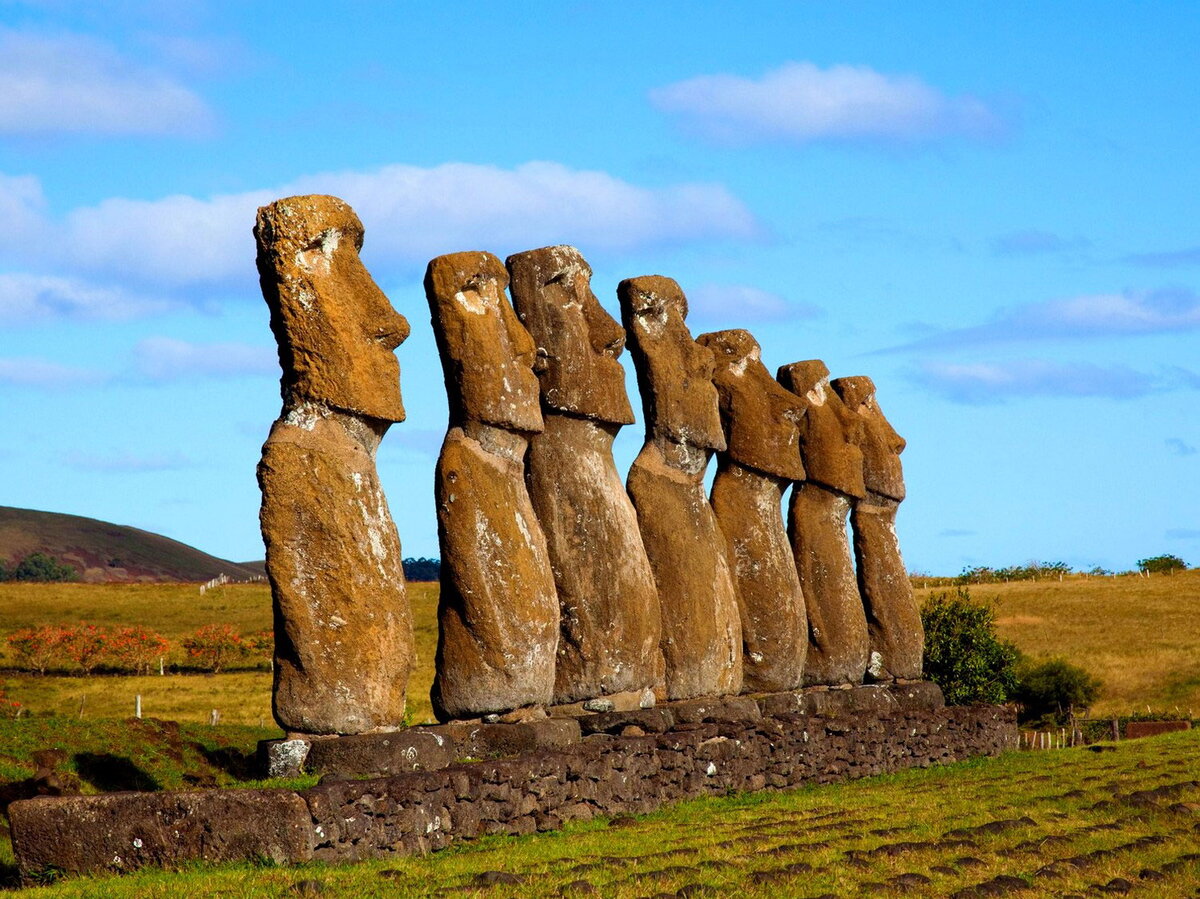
394 331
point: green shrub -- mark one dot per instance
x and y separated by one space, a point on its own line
41 567
963 655
1161 565
1050 691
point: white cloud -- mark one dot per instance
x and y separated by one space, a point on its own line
183 246
29 372
25 297
67 83
166 358
411 214
982 383
743 303
22 211
1130 313
800 102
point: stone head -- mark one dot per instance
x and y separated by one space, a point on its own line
674 372
487 355
578 343
335 328
830 433
761 418
881 445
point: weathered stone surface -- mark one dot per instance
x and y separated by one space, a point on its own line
830 433
610 619
702 633
481 741
421 811
893 618
343 630
760 419
125 831
838 649
498 610
380 755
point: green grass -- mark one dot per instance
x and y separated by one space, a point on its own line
848 839
145 754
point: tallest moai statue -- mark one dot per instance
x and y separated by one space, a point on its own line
611 625
343 631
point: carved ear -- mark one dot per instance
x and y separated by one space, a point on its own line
541 362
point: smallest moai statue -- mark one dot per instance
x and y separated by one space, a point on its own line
761 422
839 647
893 618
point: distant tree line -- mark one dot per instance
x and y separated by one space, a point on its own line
38 567
422 569
1045 571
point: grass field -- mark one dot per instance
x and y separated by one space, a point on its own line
174 610
1069 822
1141 636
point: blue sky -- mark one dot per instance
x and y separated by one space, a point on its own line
988 208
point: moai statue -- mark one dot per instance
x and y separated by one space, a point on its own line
702 632
838 649
893 618
761 429
343 630
610 619
498 612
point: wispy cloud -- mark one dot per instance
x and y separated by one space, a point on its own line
743 303
1182 534
71 84
985 383
411 214
168 359
1168 259
956 532
126 462
26 298
1034 242
801 103
30 372
1179 447
1090 315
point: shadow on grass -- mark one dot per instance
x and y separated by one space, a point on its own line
10 879
239 764
109 773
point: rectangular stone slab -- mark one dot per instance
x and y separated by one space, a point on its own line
125 831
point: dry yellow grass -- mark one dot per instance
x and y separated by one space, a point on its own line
175 610
1140 636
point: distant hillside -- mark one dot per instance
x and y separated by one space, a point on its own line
104 552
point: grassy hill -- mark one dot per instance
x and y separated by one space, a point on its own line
103 552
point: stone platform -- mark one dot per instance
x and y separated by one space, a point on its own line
603 764
430 748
